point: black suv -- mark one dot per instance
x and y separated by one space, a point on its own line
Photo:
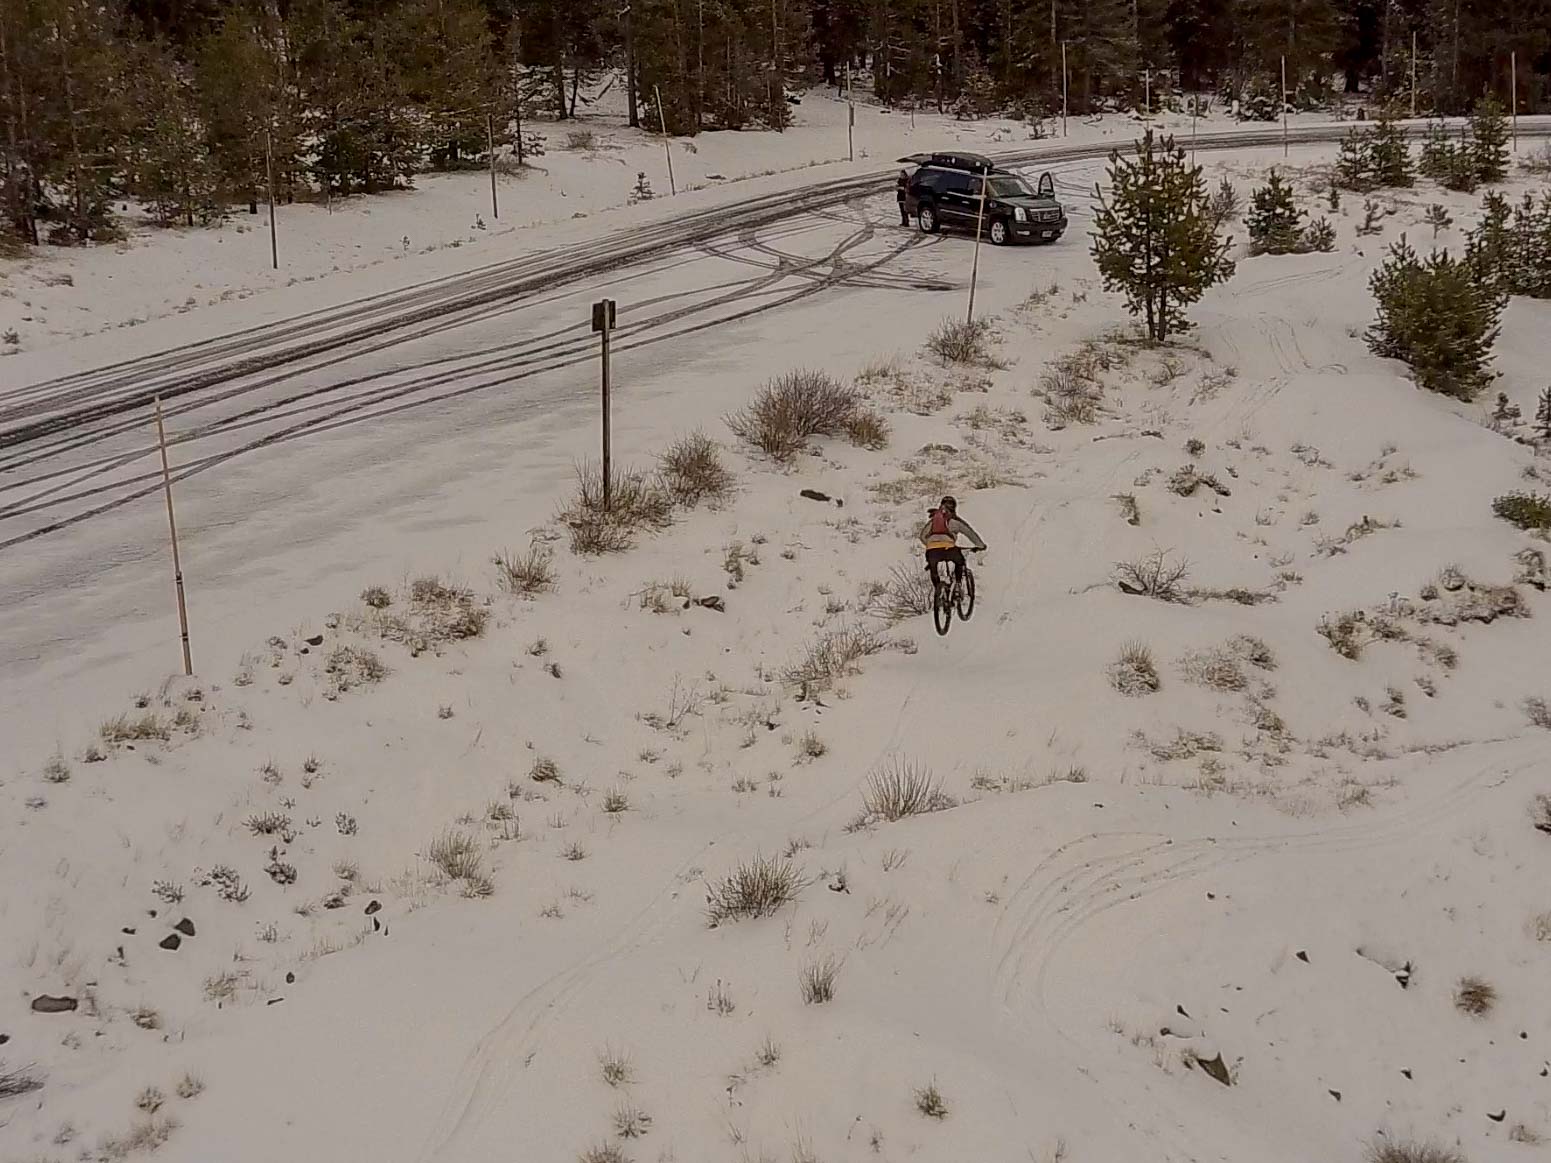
947 188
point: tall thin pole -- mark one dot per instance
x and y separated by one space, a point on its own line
630 108
1147 100
667 146
1284 107
495 208
172 528
269 170
974 270
850 117
1064 89
608 473
1413 73
1514 58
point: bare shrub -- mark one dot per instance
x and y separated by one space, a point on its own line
353 666
637 501
810 746
531 573
834 655
143 1138
544 770
966 343
901 788
136 729
190 1086
692 470
21 1080
1129 509
376 597
581 139
791 410
1540 927
868 429
56 770
457 855
603 1153
1216 669
616 802
615 1066
817 980
755 888
1474 996
1134 672
269 824
1386 1150
1153 576
1540 813
631 1122
907 593
930 1102
1538 712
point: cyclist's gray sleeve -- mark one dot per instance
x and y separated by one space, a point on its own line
958 525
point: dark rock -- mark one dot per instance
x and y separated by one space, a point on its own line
185 926
1498 1117
1180 1010
290 978
714 602
45 1004
374 907
1407 1072
815 495
376 925
274 1001
127 931
171 941
1216 1068
1303 956
1336 1094
315 640
4 1038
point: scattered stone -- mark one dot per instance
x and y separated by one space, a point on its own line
290 978
185 926
1303 956
373 908
1216 1068
815 495
315 640
714 602
1499 1116
277 643
46 1004
4 1038
1407 1072
1336 1094
170 942
274 1001
128 931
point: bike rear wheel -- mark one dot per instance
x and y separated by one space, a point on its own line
942 607
967 595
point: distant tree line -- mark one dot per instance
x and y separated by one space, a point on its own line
192 105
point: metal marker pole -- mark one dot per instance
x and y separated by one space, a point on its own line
1514 58
269 170
1064 89
1284 107
667 146
850 117
603 324
495 209
974 270
1413 74
172 528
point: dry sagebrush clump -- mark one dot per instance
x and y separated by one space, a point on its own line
692 470
897 789
834 655
1135 672
637 501
905 593
966 343
1474 996
1389 1150
790 411
1158 575
525 575
755 888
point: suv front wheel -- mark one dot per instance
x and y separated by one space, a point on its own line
926 218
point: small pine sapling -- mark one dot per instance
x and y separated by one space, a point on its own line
1438 218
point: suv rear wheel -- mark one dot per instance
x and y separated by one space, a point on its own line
926 218
1001 234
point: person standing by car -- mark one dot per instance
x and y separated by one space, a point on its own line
901 192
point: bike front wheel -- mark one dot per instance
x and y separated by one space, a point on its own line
967 595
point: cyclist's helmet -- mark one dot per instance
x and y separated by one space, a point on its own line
949 505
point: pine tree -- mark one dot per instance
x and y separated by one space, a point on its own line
1153 238
445 54
1436 318
246 102
170 165
1489 141
1490 248
1437 151
1275 222
1543 416
1356 165
1391 155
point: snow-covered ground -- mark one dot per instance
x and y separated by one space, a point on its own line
1278 866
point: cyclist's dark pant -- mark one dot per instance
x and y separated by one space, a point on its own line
935 557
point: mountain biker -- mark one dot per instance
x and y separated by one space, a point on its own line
940 535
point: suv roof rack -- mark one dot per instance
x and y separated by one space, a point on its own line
973 162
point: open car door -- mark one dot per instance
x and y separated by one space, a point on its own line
1047 186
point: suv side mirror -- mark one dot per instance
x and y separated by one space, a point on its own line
1047 186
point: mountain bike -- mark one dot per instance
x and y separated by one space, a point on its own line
957 593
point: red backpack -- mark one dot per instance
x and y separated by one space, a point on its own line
940 522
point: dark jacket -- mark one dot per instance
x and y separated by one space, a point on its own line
901 185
